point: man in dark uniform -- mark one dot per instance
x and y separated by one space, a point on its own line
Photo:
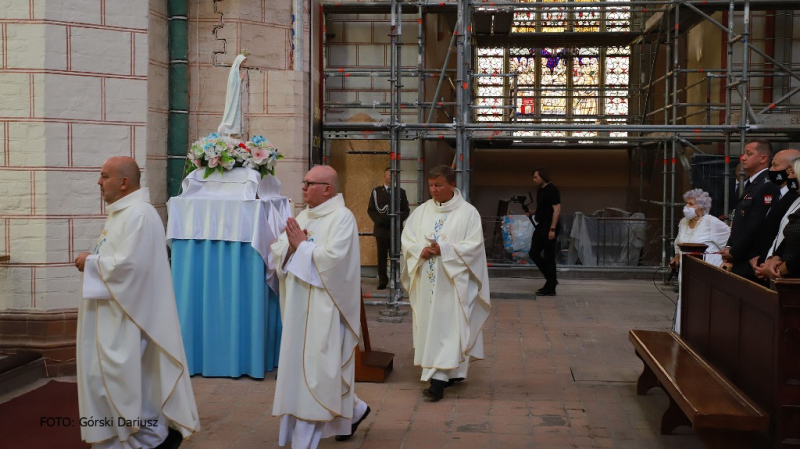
751 210
778 175
543 242
378 211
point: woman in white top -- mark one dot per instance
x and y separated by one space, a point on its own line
698 226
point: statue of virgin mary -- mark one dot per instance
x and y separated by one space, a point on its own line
232 117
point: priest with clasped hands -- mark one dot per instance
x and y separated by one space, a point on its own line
318 263
131 364
447 280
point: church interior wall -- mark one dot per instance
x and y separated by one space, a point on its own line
72 93
74 90
362 42
275 102
154 58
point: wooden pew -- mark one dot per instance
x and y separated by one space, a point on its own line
747 336
720 414
751 334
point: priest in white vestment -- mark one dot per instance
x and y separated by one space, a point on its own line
318 263
447 281
134 390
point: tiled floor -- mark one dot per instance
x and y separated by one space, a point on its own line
559 373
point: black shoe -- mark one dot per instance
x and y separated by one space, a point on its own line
173 440
436 390
546 292
454 380
382 286
353 428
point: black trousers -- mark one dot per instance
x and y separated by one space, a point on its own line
543 254
383 256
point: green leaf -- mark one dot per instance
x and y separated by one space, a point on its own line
208 172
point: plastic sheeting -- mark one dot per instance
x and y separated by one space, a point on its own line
517 235
599 241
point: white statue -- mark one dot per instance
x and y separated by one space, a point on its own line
232 117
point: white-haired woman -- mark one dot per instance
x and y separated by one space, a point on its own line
698 226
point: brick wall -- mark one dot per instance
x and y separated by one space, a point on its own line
73 92
362 42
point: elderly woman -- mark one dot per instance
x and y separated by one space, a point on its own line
698 226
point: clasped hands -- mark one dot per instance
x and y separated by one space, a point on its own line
431 251
295 233
770 269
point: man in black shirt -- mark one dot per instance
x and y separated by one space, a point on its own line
543 243
378 211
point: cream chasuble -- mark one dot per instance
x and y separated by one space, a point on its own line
316 369
449 294
131 362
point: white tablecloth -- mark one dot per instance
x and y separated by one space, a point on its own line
259 222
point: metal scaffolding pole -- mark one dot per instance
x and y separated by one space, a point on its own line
395 80
464 63
679 110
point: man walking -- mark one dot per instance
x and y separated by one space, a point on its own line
546 219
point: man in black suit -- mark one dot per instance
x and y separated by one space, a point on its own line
778 175
378 211
751 209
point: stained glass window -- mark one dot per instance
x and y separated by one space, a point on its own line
553 81
585 133
618 18
616 80
524 19
490 92
554 20
557 19
522 63
553 133
586 80
587 85
586 19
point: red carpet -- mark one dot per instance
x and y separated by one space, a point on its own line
44 418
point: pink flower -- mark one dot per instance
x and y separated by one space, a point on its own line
213 162
197 163
260 155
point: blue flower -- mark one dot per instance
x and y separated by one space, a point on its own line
213 136
258 140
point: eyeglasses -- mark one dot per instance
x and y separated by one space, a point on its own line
312 183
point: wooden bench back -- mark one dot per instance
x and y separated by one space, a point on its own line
751 334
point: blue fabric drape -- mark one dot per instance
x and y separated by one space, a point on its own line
230 319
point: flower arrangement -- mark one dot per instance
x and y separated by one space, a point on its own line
220 153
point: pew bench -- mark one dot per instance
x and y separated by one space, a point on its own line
699 396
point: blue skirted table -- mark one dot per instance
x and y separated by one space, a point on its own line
225 284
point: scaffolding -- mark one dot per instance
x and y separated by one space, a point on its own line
661 126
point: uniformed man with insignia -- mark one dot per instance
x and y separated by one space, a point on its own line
751 209
378 211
